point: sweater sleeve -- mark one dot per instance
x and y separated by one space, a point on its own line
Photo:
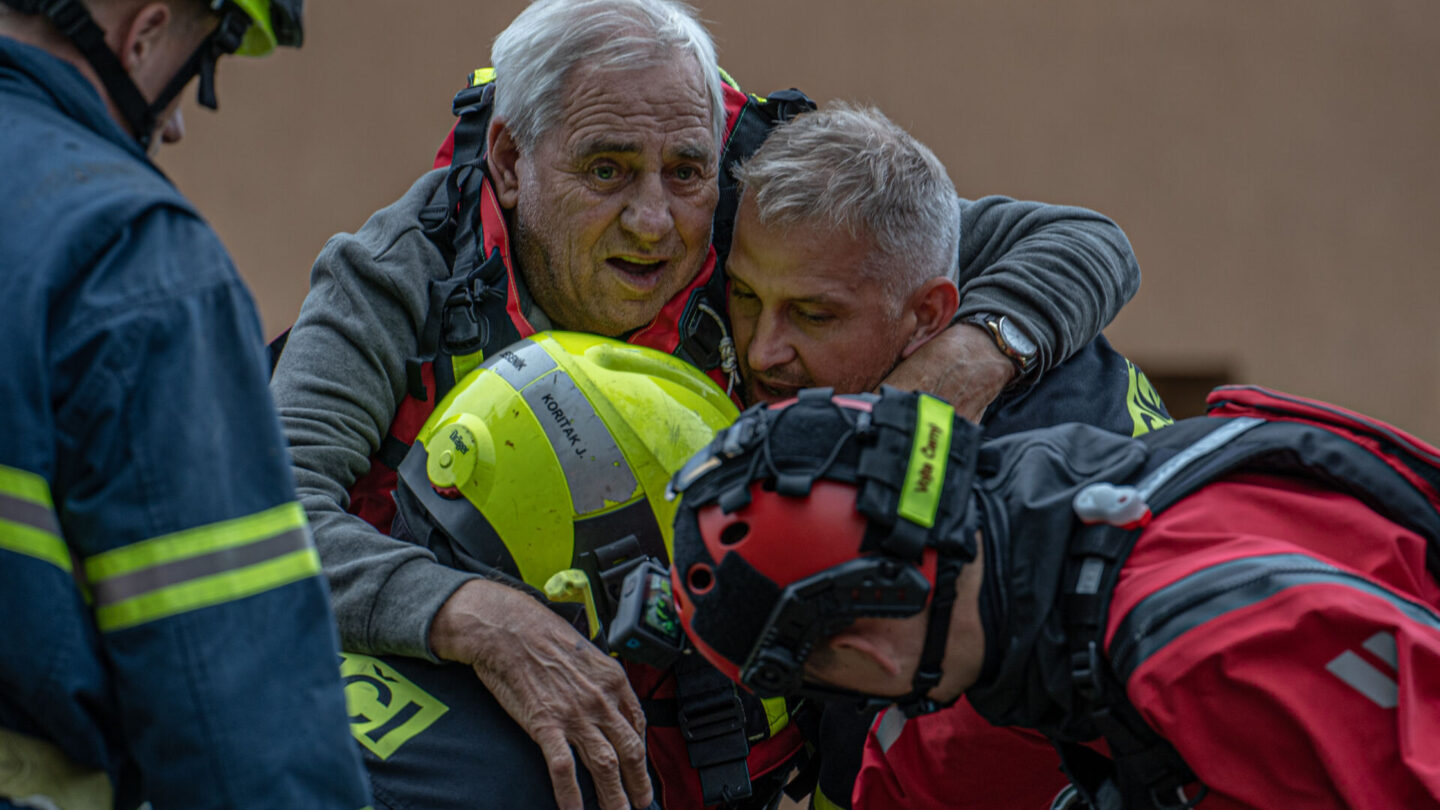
338 385
1062 273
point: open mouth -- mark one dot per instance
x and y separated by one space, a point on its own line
774 392
639 271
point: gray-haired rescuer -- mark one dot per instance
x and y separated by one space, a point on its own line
839 269
1242 606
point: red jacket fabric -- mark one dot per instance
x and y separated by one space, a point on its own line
1318 695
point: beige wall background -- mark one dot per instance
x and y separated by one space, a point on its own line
1274 163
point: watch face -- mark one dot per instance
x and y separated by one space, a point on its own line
1017 340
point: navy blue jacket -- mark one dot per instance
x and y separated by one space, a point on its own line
162 618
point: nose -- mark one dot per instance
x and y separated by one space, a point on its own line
647 216
770 346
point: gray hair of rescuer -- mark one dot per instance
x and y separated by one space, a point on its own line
849 168
537 52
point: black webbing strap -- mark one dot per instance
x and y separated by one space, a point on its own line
712 721
73 21
1145 768
463 182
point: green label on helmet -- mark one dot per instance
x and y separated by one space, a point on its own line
925 477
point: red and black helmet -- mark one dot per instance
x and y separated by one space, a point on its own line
804 516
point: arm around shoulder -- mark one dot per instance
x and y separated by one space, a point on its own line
1060 272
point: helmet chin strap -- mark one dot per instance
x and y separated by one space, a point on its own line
73 21
937 632
930 669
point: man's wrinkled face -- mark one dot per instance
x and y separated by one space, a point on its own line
806 312
615 202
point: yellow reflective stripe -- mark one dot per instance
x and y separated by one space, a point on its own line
823 802
27 518
201 567
484 75
728 79
208 591
195 542
26 486
1143 401
777 713
32 542
463 364
925 476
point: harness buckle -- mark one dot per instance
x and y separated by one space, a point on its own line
707 716
1086 672
471 99
462 330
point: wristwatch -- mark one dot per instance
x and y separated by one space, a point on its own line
1009 338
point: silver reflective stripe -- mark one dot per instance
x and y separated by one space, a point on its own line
1090 572
115 589
521 364
1366 679
888 731
594 467
28 513
1215 440
1382 646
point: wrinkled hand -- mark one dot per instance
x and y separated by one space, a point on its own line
555 684
961 365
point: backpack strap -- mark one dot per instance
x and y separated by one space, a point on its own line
704 331
1144 770
457 229
712 721
753 118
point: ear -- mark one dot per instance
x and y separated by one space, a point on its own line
502 156
934 305
865 646
140 35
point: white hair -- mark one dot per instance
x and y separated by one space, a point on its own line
849 168
536 53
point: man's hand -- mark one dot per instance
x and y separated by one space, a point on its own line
555 684
961 365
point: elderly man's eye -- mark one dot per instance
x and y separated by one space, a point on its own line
605 172
687 173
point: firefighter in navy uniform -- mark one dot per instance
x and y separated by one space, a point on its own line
1241 607
167 638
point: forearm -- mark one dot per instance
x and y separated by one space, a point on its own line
961 366
1061 272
